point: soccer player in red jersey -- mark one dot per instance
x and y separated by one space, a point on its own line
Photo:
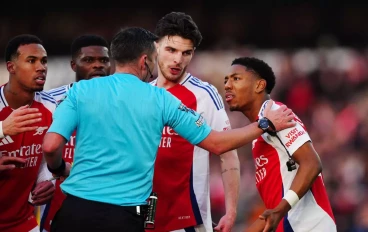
288 169
181 177
23 104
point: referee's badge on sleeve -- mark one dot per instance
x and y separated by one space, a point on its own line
182 107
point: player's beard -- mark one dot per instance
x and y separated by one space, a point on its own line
233 108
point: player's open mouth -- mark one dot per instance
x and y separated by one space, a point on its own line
41 80
98 74
175 71
229 97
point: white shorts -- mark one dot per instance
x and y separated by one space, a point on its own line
199 228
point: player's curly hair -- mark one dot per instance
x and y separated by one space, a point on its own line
260 68
178 24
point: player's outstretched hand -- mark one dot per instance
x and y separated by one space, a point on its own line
21 120
281 118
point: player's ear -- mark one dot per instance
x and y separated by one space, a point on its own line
73 65
10 66
142 61
157 45
260 85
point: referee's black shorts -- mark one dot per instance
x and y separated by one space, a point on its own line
77 214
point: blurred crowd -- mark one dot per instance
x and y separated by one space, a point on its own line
327 88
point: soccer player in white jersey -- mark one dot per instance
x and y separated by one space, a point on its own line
181 177
288 169
26 62
90 58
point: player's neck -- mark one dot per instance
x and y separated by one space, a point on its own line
16 96
165 83
252 112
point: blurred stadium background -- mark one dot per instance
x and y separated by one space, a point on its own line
318 52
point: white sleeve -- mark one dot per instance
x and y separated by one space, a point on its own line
43 173
59 93
294 137
211 106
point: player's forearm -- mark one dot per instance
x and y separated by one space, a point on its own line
230 171
304 178
224 141
52 147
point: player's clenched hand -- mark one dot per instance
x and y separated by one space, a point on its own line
43 192
281 118
9 163
21 120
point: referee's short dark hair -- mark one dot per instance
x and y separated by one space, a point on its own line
130 43
86 41
14 43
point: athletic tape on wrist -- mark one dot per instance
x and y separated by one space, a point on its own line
1 130
291 197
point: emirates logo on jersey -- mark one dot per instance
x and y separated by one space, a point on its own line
260 163
27 152
167 134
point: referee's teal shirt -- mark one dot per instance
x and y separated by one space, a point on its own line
119 120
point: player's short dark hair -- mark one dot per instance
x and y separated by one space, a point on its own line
86 41
131 43
180 24
11 50
260 68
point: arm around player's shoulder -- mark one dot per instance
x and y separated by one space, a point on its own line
291 138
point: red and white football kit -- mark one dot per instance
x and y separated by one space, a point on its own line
181 177
313 212
16 213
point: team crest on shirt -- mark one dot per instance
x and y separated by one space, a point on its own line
182 107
